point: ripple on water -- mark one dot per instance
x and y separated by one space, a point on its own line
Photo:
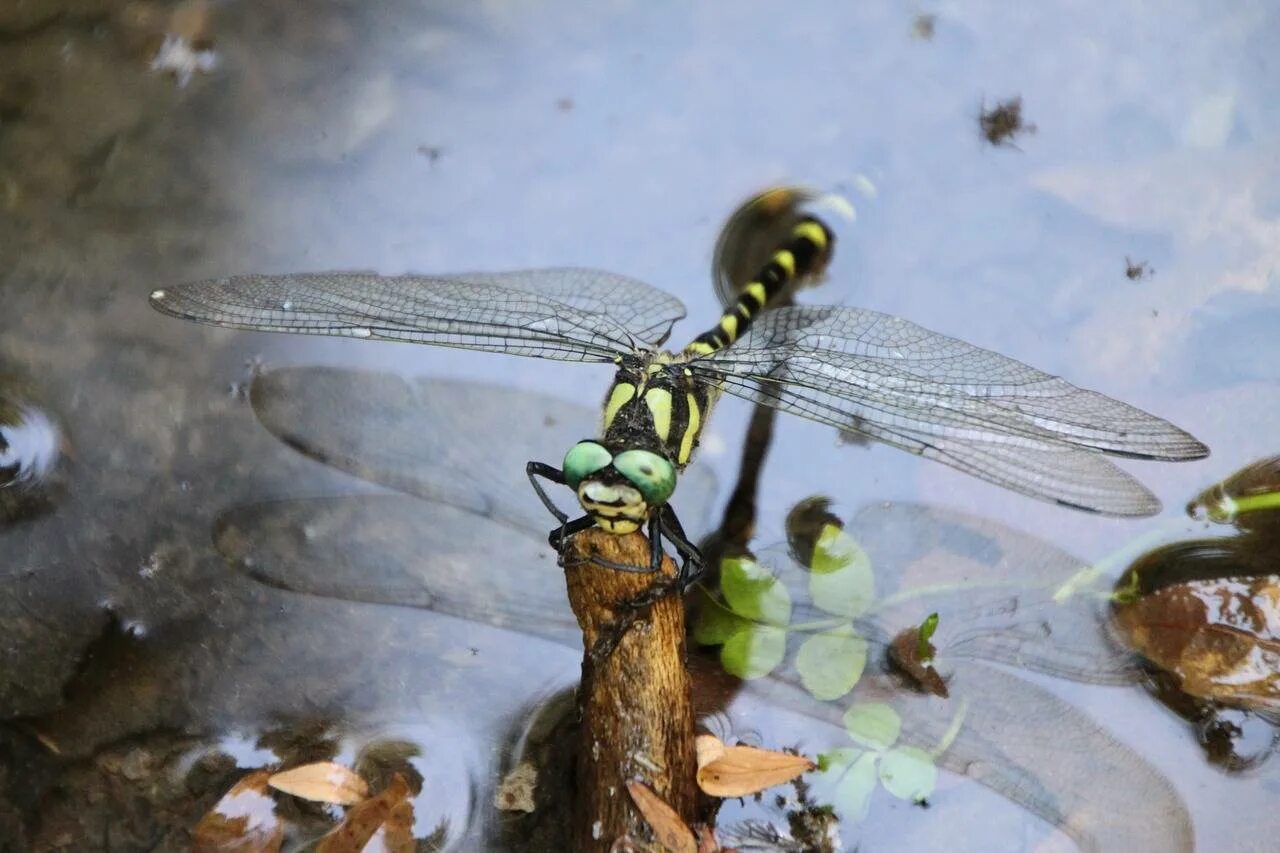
32 445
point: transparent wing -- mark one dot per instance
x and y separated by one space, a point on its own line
565 314
976 410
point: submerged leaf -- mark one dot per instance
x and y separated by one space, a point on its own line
754 651
908 773
365 820
831 663
396 833
740 771
840 577
852 774
672 832
874 725
243 821
322 782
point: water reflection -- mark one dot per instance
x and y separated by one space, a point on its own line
1205 616
1000 596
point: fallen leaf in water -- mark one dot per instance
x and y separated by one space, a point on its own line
670 831
709 748
322 782
368 819
738 771
243 821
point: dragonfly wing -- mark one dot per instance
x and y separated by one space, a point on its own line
565 314
976 410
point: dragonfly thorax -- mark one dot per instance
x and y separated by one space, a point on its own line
657 403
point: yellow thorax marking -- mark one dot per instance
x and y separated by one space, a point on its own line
690 431
620 396
813 231
659 402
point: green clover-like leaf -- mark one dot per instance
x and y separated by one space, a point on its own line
851 772
874 725
752 592
831 663
908 773
715 622
754 650
840 577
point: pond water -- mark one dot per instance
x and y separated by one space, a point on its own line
157 627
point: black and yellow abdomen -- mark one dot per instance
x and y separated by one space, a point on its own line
805 254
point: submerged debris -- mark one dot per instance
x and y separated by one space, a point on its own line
1003 122
1135 270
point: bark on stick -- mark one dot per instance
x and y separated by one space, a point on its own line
636 712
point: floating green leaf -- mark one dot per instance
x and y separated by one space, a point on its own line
831 663
840 577
754 650
753 592
924 649
852 774
874 725
908 773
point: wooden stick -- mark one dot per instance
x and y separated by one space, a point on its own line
634 703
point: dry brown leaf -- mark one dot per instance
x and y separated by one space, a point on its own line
740 771
322 782
243 821
366 819
709 749
672 832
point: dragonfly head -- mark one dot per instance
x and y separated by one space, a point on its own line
618 489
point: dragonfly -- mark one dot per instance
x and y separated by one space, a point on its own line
858 370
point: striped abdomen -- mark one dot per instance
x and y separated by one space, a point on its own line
803 255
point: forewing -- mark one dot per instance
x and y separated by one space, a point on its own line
565 314
976 410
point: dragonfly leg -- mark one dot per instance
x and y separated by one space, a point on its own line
554 475
559 535
693 566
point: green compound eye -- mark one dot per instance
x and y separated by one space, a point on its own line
653 475
582 460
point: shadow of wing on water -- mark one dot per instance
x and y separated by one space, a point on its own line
393 550
461 443
474 547
1002 595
